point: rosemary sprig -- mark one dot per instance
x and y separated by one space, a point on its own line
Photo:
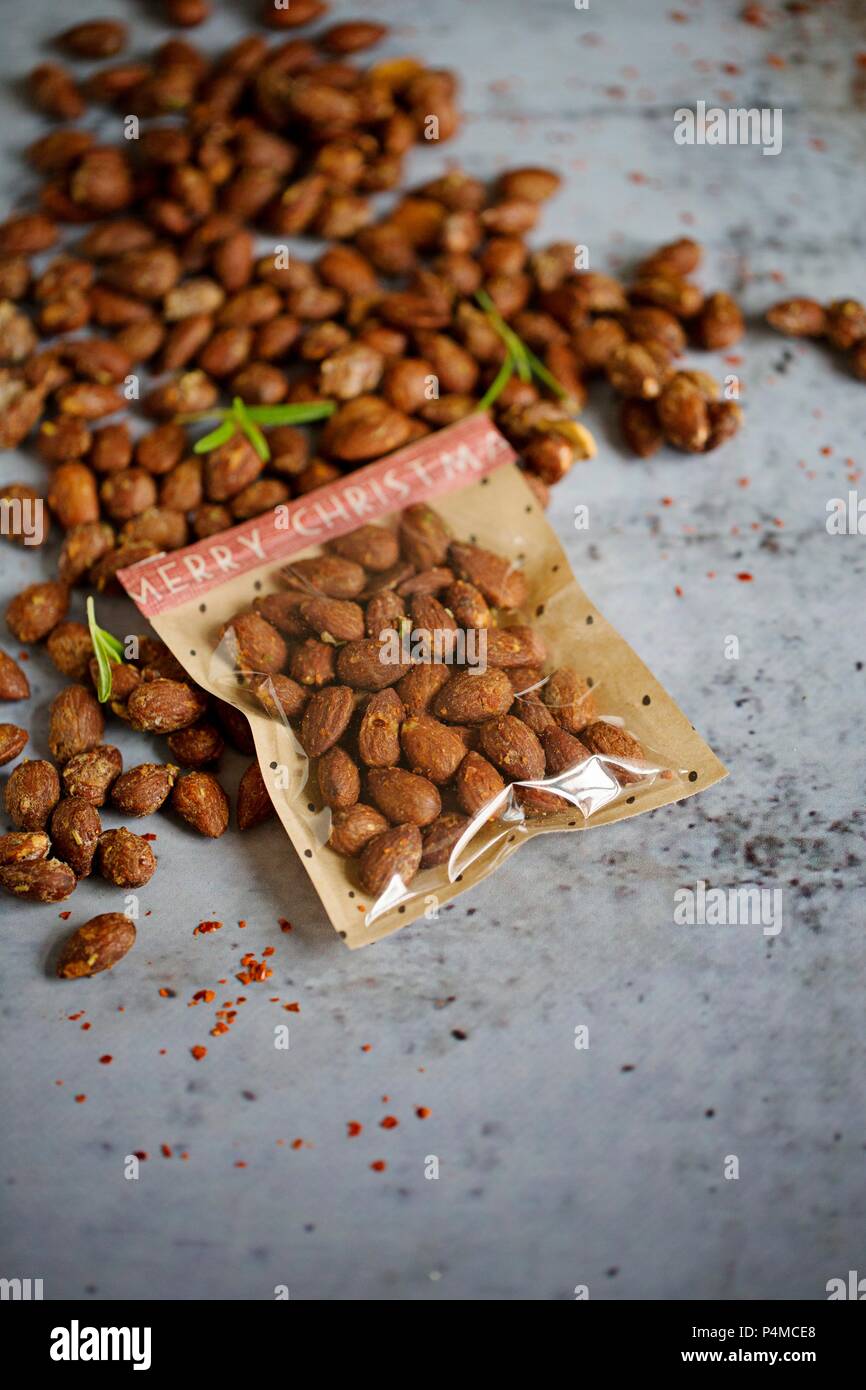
518 358
107 650
247 419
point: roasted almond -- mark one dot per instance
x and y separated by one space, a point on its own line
440 837
570 700
513 748
254 805
431 748
390 860
163 706
369 664
32 792
353 828
379 733
325 718
38 880
76 723
403 797
501 582
326 574
124 859
374 547
339 779
611 742
14 685
143 789
36 610
472 698
197 745
477 784
88 776
22 846
201 801
13 740
424 538
96 945
255 644
312 663
75 830
333 619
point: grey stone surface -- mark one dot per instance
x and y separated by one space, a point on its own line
558 1167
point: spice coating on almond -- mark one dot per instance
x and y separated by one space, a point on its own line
95 946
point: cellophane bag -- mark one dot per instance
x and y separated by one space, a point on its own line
427 684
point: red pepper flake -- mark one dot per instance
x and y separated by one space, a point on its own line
667 501
274 999
269 951
422 1112
353 1129
242 923
73 1018
297 1143
241 1163
65 916
141 1155
107 1059
294 1008
198 1052
775 60
378 1165
637 177
86 1027
203 994
284 924
218 1030
366 1047
166 993
743 482
204 927
185 1156
385 1100
165 1150
826 451
389 1122
58 1083
678 591
163 1051
148 835
23 656
744 577
79 1100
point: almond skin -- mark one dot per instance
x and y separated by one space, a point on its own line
379 734
403 797
440 837
353 828
514 646
96 945
32 792
501 583
281 696
89 775
609 741
14 685
477 783
339 779
201 801
36 610
13 740
21 846
38 881
431 748
255 644
143 789
513 748
75 831
163 706
326 718
124 859
254 805
570 700
333 619
76 723
361 665
330 575
393 854
374 547
196 746
472 699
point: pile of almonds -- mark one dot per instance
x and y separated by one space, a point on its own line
408 752
286 140
842 324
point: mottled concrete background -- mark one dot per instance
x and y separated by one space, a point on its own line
558 1166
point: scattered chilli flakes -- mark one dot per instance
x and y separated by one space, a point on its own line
744 577
65 916
165 1150
201 996
292 1008
284 924
378 1165
204 928
423 1112
166 993
79 1100
107 1059
198 1052
389 1122
353 1129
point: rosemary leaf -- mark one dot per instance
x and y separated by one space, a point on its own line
221 435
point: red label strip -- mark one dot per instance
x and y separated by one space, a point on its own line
436 463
